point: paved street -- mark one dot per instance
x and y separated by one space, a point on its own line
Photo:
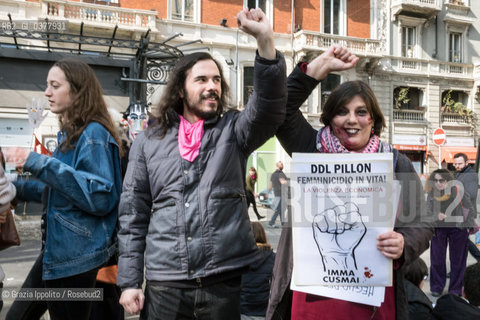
17 261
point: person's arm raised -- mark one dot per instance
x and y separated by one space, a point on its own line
255 23
336 58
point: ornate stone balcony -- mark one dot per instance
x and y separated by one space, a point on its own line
425 8
456 119
428 67
315 41
456 12
406 115
99 15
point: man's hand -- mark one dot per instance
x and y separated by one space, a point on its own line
132 300
391 244
336 58
255 23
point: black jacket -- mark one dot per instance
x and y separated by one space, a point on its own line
256 285
184 220
468 177
297 135
419 306
453 307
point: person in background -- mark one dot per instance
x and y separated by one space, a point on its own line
277 180
256 283
353 123
250 191
7 195
469 179
82 182
466 306
419 306
183 215
450 230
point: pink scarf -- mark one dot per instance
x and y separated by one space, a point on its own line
327 142
190 138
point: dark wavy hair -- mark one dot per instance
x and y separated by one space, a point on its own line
87 105
171 100
344 93
444 173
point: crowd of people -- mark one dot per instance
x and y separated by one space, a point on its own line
176 222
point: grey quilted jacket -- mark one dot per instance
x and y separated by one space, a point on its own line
187 220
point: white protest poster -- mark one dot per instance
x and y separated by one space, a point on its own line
340 204
370 295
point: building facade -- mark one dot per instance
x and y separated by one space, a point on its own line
419 56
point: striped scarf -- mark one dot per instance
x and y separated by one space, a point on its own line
327 142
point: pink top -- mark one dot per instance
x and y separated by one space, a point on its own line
190 138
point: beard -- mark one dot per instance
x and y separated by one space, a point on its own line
195 106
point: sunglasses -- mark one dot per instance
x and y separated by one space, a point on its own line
439 180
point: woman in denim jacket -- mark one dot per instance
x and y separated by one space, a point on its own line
83 181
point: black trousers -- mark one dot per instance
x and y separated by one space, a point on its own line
251 199
219 301
30 310
72 310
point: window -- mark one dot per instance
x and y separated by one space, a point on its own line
247 83
262 4
408 42
265 5
328 84
455 47
452 100
333 17
408 98
182 10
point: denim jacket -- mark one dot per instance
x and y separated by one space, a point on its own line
82 208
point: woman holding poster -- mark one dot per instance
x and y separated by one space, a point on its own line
353 123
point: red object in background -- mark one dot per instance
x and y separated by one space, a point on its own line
15 156
439 136
43 150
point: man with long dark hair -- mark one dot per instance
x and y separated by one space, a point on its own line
183 214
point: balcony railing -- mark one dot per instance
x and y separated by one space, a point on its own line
476 72
409 115
431 67
316 41
100 14
420 3
453 118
